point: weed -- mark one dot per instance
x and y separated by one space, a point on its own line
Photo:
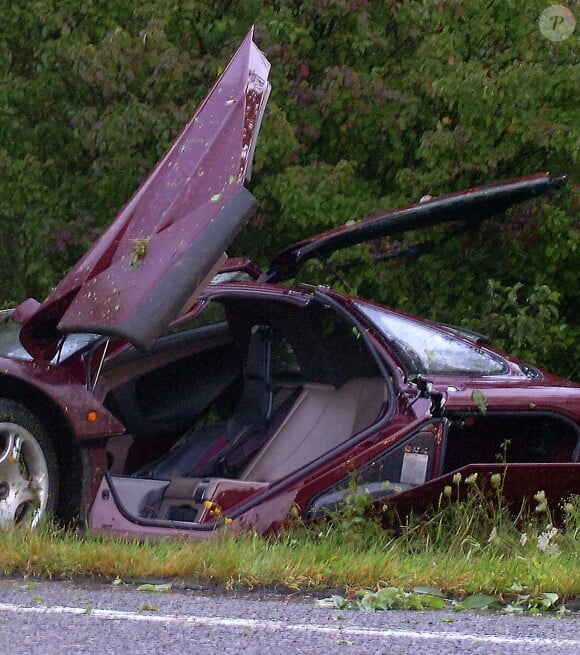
471 514
571 517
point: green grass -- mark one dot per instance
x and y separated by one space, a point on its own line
459 548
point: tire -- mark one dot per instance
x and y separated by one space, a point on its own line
29 476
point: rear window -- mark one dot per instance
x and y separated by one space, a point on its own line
428 350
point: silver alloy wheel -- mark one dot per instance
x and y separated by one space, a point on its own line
24 477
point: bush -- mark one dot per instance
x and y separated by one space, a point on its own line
374 104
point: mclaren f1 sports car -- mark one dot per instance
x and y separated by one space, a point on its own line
162 389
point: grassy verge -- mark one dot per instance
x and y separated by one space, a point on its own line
460 548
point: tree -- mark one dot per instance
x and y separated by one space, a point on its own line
374 104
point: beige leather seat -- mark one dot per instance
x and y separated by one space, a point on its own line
321 419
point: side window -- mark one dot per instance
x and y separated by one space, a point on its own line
285 364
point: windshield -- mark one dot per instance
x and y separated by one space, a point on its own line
428 350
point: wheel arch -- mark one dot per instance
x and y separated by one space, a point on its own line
73 465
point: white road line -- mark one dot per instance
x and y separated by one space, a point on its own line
265 624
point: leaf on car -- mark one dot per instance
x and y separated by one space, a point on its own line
480 400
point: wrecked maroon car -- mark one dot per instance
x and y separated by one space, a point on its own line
161 389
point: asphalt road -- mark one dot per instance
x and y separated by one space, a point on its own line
63 617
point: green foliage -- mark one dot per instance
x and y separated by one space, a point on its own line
312 198
91 94
529 325
472 520
395 598
477 554
389 598
374 104
357 521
